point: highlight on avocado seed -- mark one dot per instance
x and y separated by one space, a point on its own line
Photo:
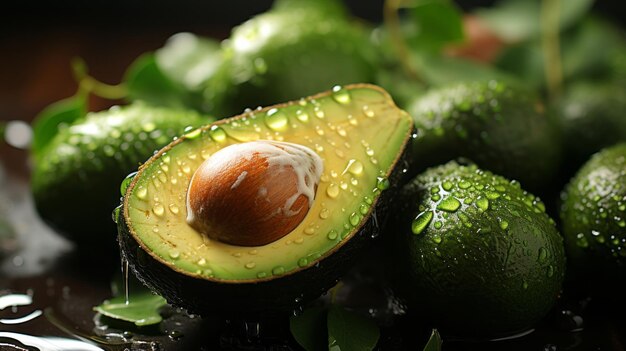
254 193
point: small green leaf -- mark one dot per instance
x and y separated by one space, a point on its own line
435 24
348 331
309 329
146 81
517 20
434 343
142 308
46 124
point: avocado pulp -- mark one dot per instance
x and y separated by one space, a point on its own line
359 134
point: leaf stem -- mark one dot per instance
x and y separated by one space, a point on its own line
89 84
550 13
392 22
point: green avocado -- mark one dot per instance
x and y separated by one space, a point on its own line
591 117
473 253
498 126
594 219
344 128
296 49
76 179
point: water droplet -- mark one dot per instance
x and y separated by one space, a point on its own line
332 190
126 182
302 116
447 186
194 134
250 265
174 208
260 66
332 235
276 119
158 209
449 204
116 213
436 239
550 271
341 95
421 222
218 134
354 167
491 195
303 262
482 203
279 270
202 262
363 209
504 224
367 111
324 213
310 230
438 225
464 184
382 183
174 254
354 219
581 241
543 254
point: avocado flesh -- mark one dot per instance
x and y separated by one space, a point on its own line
76 179
594 221
359 134
473 253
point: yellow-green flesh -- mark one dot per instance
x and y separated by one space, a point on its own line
358 133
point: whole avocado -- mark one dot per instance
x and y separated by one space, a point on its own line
296 49
76 180
473 253
594 220
591 117
498 126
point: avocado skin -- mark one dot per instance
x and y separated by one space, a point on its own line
301 48
593 215
471 283
76 181
591 117
500 127
264 297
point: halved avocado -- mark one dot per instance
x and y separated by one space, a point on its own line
360 135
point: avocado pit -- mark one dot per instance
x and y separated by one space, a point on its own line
254 193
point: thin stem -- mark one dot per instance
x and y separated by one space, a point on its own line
550 13
91 85
392 22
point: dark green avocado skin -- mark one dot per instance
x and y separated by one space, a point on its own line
76 181
594 222
277 296
296 49
491 267
498 126
591 117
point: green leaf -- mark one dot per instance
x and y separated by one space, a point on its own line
189 60
309 329
517 20
46 124
434 343
435 24
348 331
146 81
142 308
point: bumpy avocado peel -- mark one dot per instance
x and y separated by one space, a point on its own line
474 253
